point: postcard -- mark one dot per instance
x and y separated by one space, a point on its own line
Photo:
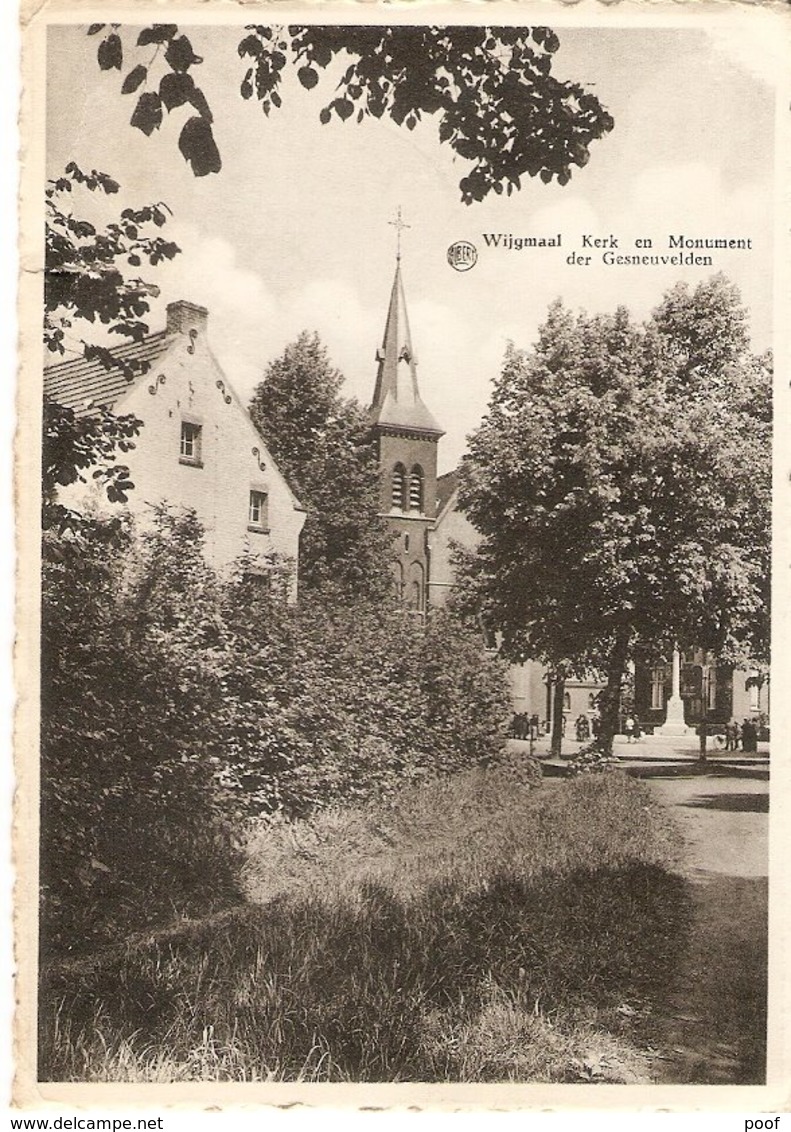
402 621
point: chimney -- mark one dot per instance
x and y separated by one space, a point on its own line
184 317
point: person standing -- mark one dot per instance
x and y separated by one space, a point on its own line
703 733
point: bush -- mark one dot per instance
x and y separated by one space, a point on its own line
176 702
132 828
329 704
591 759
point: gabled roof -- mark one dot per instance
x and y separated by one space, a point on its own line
446 488
397 402
80 383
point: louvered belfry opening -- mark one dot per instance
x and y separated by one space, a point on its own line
399 487
416 489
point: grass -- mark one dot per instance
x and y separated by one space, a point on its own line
477 929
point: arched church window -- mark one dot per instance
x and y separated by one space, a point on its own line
399 487
567 701
398 581
416 489
415 593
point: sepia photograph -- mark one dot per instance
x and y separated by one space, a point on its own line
405 418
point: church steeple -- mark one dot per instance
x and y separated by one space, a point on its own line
407 436
397 402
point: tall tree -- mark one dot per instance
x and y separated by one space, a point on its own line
621 483
324 447
492 89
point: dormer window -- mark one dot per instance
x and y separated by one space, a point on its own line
190 448
399 487
416 489
258 514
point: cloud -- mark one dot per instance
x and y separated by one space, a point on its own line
239 302
461 324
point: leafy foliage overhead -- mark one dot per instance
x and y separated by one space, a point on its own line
492 90
87 269
87 280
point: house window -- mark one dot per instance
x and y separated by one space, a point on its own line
399 487
416 489
258 516
190 450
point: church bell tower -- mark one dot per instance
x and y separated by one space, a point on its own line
407 436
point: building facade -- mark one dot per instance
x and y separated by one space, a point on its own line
707 689
197 449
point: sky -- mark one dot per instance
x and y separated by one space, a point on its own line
293 233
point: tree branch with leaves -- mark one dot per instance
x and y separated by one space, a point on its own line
491 90
87 280
86 276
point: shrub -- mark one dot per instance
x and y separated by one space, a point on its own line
132 830
176 701
591 759
339 703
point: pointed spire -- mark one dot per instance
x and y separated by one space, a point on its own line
397 400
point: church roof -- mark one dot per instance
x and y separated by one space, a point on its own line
80 384
446 486
397 402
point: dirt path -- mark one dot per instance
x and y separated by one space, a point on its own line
713 1028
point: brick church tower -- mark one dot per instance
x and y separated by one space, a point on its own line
407 436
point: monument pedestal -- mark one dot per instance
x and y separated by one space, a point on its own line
674 726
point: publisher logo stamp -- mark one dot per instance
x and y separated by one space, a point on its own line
462 255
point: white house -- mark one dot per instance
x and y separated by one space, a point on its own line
198 447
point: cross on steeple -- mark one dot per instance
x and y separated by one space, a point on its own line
399 226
